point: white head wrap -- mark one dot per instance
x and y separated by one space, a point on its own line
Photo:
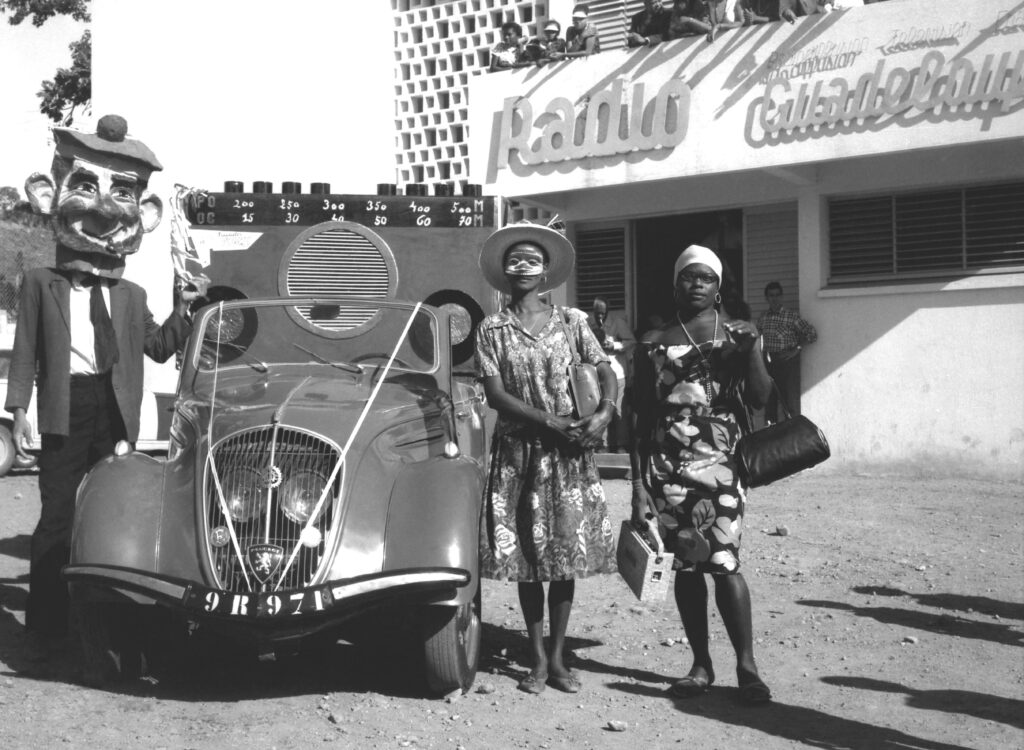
697 254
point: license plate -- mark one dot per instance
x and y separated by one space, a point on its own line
257 604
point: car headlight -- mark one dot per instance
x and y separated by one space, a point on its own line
299 493
242 493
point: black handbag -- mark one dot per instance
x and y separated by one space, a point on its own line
780 450
584 385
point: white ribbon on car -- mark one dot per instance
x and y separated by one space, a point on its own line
339 466
209 450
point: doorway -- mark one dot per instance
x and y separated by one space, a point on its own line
658 243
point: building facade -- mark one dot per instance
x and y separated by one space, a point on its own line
870 160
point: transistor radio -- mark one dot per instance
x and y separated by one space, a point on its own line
414 246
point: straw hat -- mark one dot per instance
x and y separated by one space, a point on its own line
561 256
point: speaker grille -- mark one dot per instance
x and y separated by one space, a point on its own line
339 261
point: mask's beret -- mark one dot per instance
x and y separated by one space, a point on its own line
111 137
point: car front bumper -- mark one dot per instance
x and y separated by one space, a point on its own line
340 598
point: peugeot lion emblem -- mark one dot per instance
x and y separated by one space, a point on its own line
264 560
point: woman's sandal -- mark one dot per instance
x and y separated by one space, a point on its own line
533 684
692 685
755 693
568 684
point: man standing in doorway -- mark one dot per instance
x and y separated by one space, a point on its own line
785 334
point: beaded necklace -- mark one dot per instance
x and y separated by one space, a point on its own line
704 369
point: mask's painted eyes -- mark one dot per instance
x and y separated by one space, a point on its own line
524 263
84 185
122 193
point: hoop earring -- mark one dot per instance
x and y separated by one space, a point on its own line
718 298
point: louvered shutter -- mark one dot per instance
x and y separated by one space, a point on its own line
612 20
770 254
601 267
860 236
913 235
994 225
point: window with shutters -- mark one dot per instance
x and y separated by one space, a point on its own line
923 234
601 267
612 20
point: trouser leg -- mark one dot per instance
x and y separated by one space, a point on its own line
94 426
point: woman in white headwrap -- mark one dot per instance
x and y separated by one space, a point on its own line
691 379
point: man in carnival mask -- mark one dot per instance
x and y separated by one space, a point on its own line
81 335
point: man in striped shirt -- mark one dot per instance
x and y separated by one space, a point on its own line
785 334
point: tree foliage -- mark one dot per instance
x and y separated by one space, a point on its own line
70 91
71 88
41 11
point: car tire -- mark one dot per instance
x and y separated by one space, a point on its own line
7 452
451 646
110 638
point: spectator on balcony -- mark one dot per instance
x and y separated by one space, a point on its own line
760 11
581 39
550 43
790 10
510 52
649 26
709 17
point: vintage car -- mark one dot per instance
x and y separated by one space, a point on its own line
324 474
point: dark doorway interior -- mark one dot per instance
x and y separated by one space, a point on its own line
659 242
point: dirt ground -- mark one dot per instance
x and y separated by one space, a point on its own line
891 615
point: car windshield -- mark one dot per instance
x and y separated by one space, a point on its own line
348 334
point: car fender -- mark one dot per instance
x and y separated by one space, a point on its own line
118 514
434 519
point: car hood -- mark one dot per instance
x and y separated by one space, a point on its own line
326 405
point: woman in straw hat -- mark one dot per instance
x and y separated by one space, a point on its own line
691 379
545 518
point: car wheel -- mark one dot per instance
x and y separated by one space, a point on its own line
110 637
451 645
7 452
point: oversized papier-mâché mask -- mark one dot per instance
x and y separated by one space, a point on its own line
96 196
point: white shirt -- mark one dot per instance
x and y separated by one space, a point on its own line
83 341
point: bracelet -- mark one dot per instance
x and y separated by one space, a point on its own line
610 401
638 484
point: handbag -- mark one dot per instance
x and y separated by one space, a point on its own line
646 571
780 450
584 385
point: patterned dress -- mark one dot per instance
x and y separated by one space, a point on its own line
697 415
545 517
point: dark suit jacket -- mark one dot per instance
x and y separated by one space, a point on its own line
42 348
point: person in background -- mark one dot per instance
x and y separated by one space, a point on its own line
785 334
617 340
694 380
582 38
544 513
759 11
82 334
550 45
510 52
650 25
708 17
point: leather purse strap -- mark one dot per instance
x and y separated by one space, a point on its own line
565 330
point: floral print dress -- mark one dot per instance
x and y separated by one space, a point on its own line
697 415
544 517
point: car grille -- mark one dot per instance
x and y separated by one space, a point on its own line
257 471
